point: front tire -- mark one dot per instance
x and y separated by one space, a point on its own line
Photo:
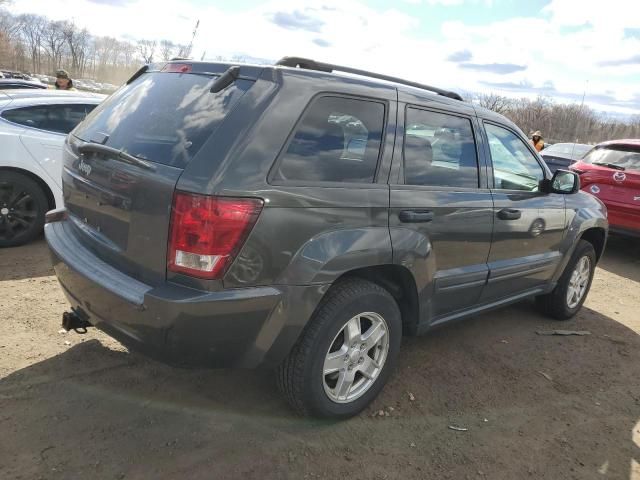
345 354
571 291
23 206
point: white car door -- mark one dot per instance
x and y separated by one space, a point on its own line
46 149
48 127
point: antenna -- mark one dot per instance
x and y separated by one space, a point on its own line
584 94
193 36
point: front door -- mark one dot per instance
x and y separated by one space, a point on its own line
528 225
441 212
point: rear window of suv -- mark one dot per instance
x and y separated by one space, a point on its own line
162 117
627 158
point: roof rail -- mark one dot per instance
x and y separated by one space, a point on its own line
309 64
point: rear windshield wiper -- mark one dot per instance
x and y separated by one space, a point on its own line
610 165
122 155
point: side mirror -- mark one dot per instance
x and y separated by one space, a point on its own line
564 182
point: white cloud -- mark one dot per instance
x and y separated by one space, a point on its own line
553 46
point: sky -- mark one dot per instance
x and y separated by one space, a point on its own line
560 48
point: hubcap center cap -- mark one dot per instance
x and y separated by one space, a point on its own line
354 355
4 211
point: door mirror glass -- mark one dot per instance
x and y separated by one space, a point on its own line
565 182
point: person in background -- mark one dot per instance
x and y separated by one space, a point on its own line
537 141
63 81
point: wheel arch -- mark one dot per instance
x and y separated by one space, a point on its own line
597 237
51 202
399 282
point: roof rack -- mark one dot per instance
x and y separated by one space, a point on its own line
309 64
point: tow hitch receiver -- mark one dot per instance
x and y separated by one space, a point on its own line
72 321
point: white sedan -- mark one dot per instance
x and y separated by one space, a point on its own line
33 127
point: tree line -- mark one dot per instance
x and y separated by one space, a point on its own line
34 44
558 122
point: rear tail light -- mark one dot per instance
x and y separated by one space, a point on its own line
206 232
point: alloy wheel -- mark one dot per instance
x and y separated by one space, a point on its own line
356 357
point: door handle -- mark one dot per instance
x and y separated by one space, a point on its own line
415 216
509 214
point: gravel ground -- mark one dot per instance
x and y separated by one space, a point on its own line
544 407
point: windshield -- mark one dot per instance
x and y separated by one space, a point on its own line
618 156
570 150
161 117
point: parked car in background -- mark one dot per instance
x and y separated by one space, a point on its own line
561 155
15 83
611 172
33 126
218 214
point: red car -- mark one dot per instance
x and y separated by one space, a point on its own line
611 172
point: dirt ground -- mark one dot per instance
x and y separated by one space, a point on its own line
82 407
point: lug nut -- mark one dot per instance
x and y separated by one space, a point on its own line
363 346
361 359
346 358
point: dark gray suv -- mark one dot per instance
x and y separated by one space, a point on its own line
291 217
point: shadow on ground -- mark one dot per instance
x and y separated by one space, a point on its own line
26 261
534 406
622 257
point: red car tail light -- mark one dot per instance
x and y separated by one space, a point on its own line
206 232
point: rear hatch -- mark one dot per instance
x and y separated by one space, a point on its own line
612 173
121 165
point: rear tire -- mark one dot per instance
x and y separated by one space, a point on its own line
23 206
341 362
573 287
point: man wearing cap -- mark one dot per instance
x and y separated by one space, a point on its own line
536 140
63 82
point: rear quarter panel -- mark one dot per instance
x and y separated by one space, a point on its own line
17 157
307 234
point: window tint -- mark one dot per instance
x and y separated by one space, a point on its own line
338 140
53 118
514 166
439 150
162 117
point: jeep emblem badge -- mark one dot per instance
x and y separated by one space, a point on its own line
84 167
619 176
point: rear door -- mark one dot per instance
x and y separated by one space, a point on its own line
49 124
441 209
528 225
122 164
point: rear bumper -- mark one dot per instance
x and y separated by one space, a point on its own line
246 327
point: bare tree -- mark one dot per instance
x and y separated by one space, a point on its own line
147 48
32 30
54 44
168 50
494 102
78 42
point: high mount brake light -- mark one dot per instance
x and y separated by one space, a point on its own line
177 68
207 232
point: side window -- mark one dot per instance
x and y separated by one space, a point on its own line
337 140
439 150
53 118
514 166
